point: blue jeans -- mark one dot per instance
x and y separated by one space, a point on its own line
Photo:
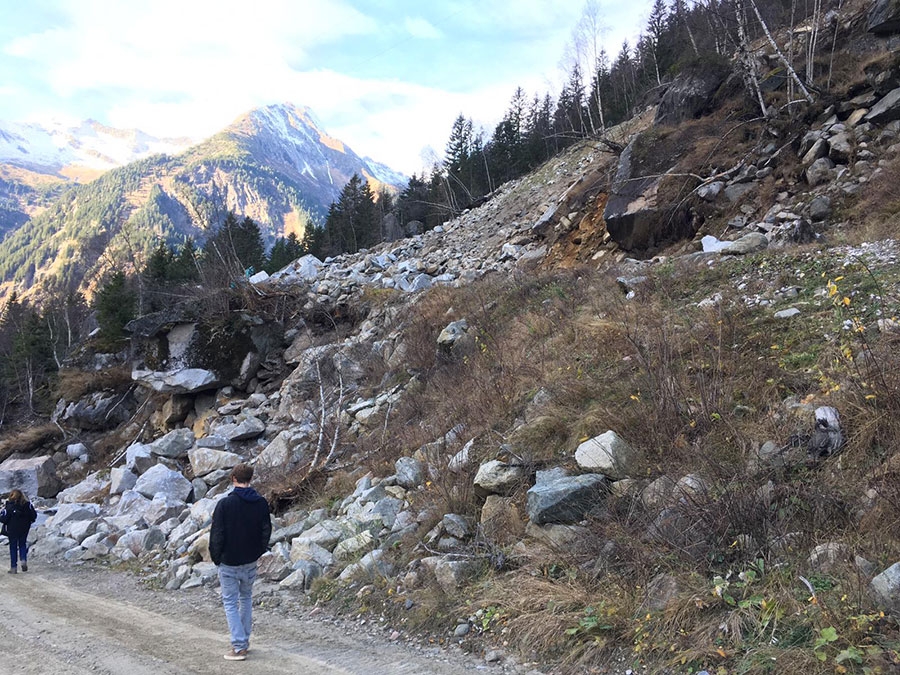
237 597
18 548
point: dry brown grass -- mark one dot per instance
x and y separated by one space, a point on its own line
876 212
669 376
72 384
28 440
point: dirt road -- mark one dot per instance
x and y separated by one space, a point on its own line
68 620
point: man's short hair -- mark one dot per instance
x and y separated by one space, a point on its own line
242 473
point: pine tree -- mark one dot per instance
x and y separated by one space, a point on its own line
185 265
284 251
236 248
115 307
352 223
159 263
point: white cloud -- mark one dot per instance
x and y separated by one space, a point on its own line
189 67
420 28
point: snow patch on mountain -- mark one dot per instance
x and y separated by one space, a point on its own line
50 146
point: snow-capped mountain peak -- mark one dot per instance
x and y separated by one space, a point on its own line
48 147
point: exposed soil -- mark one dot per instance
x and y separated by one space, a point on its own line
68 619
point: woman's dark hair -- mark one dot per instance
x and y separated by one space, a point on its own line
17 497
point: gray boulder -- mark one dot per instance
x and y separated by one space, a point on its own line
608 454
887 109
162 508
820 171
174 444
160 479
184 381
305 571
884 17
120 479
497 477
35 476
67 513
751 242
140 541
410 472
243 428
138 458
566 499
92 488
206 460
886 589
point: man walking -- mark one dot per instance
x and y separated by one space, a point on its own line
240 532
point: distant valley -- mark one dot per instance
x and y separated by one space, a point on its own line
76 200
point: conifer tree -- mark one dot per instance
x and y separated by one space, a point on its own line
284 251
115 307
351 223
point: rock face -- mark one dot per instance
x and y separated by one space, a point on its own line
691 92
631 211
634 218
34 477
884 17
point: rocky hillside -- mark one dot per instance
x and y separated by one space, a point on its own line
637 411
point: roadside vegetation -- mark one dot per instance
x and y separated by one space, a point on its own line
698 387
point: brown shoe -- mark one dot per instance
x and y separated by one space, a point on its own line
235 654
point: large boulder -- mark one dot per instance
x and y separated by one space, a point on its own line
691 92
886 588
496 477
92 488
565 499
884 17
608 454
241 428
184 381
174 444
97 411
207 460
35 476
634 218
160 479
887 109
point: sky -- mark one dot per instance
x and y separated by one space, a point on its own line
387 77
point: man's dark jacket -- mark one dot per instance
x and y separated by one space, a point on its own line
241 527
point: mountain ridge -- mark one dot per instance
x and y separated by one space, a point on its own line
274 164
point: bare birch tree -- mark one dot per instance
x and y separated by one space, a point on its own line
745 57
585 50
784 61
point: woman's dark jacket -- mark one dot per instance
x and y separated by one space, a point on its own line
18 517
241 528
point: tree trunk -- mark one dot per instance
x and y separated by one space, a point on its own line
750 80
784 61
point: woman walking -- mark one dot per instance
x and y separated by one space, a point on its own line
17 517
